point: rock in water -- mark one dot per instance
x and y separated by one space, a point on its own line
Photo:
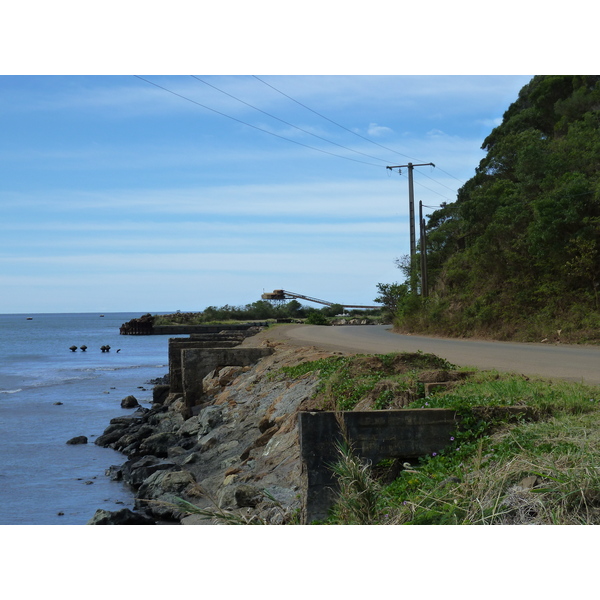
129 402
80 439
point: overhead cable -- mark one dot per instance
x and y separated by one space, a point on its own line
345 128
285 122
331 120
254 126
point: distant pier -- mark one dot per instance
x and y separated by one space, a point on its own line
146 327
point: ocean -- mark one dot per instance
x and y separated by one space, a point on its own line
49 394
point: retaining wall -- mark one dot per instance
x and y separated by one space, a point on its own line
197 363
374 436
176 345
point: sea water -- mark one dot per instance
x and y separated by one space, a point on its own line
49 394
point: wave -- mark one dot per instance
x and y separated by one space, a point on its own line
124 368
69 377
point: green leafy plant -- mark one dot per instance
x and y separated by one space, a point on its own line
317 318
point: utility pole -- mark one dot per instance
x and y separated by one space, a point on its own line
424 283
411 211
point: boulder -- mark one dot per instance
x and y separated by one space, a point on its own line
160 393
248 495
119 517
136 471
160 492
191 427
80 439
208 419
129 402
158 444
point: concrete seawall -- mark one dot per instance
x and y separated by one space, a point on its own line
374 435
197 363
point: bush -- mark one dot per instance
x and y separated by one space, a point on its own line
317 318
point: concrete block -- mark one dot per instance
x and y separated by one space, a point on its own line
374 435
197 363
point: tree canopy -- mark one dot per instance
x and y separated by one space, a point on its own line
521 243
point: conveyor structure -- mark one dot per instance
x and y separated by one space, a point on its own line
278 295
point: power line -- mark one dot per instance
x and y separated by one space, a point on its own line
345 128
294 126
254 126
283 121
332 121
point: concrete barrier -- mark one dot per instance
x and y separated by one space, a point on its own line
374 435
176 345
197 363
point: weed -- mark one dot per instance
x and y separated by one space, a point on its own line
358 493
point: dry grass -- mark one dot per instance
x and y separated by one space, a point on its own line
531 474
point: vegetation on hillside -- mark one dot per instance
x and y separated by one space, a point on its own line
517 255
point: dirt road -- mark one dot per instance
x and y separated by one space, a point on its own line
577 363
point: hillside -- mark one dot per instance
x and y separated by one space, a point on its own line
517 255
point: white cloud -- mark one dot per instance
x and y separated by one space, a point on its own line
378 130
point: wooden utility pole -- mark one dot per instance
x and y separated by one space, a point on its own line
423 241
411 210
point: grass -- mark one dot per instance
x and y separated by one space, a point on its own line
532 473
358 490
492 472
346 380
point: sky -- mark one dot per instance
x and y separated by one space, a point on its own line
117 195
174 160
163 193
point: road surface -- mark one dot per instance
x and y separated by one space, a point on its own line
572 362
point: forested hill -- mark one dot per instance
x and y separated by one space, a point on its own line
517 256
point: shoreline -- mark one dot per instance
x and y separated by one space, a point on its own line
242 443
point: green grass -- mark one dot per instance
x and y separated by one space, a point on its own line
345 380
492 471
543 472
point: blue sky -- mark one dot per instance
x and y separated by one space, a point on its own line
117 194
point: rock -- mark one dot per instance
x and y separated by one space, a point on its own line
209 418
136 471
119 517
160 393
160 492
80 439
208 442
158 444
111 435
248 495
132 438
171 420
129 402
114 472
228 374
191 427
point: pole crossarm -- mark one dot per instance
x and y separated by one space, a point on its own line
409 165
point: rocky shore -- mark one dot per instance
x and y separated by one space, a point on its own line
236 460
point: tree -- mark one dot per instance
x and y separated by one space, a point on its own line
522 239
390 296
